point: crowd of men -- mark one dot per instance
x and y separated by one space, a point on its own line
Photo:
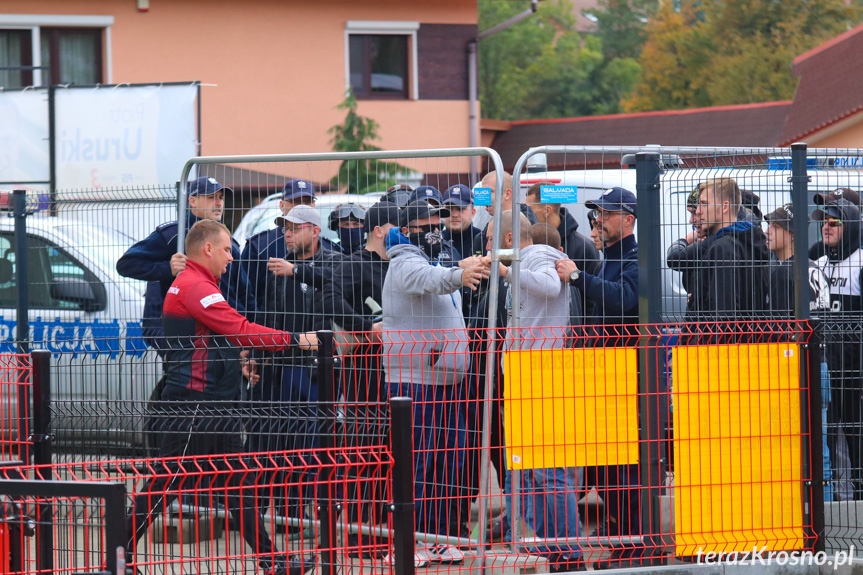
407 288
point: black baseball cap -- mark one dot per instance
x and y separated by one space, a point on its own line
838 194
615 200
380 214
420 210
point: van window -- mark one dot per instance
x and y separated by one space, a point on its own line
46 266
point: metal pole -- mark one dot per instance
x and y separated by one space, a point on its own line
326 421
402 508
22 331
473 97
650 412
22 323
41 440
116 536
812 452
52 149
181 216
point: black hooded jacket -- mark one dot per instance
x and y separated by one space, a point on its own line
732 279
843 266
577 247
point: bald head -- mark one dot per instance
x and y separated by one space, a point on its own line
525 236
490 181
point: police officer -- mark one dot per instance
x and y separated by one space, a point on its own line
156 260
271 243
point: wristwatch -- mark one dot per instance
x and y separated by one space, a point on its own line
573 277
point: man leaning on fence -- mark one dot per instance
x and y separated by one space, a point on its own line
425 357
204 335
612 299
548 496
842 263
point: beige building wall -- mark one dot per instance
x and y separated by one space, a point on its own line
273 71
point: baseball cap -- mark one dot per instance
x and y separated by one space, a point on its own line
420 210
832 209
297 189
427 193
205 186
615 200
838 194
380 214
693 198
459 195
782 217
301 214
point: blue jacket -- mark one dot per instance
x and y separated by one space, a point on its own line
257 253
612 294
150 260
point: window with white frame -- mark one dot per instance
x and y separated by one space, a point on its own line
380 59
38 50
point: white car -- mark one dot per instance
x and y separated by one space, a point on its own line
262 216
89 317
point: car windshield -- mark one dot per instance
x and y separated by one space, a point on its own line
103 244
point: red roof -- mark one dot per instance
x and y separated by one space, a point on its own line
830 88
748 125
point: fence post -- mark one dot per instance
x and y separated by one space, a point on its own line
326 421
115 528
812 464
650 398
22 329
402 508
41 440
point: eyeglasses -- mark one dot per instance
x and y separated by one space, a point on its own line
297 227
831 223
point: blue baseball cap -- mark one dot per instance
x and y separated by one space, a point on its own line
459 195
615 200
205 186
426 193
297 189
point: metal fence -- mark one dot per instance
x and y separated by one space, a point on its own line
648 426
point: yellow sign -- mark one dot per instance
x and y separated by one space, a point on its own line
571 407
738 478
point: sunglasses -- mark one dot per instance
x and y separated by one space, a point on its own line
344 211
831 223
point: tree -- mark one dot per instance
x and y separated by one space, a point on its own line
542 68
621 26
356 134
721 52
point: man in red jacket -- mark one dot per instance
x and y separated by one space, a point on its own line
204 337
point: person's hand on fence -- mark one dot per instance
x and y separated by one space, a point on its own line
502 270
473 275
375 335
470 262
565 269
250 371
692 237
308 340
178 263
281 267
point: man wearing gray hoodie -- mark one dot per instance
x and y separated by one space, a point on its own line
425 356
548 496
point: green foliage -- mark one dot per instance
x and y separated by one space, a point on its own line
356 134
722 52
542 68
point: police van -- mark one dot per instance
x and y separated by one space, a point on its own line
771 184
88 317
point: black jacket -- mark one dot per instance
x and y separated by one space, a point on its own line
732 278
577 247
353 299
464 241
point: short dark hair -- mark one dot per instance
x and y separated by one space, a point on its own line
202 232
536 191
545 234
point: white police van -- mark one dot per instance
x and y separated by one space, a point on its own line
88 316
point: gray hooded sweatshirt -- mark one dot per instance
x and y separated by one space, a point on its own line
424 339
544 304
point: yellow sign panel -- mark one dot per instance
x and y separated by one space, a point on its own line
738 478
571 407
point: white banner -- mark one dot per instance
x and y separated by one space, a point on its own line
124 136
24 148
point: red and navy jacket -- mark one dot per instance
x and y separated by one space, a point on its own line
204 336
